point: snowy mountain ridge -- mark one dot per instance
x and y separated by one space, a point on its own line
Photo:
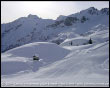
34 29
89 11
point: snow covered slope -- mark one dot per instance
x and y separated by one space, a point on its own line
21 58
99 34
22 31
34 29
64 64
84 64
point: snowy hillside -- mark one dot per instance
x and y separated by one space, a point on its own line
65 65
70 64
34 29
21 58
99 34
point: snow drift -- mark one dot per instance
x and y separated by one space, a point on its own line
21 58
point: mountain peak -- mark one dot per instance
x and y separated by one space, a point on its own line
105 11
33 16
61 17
92 8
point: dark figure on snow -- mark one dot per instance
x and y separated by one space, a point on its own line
71 43
35 57
90 41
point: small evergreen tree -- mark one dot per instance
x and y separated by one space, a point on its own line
90 41
71 43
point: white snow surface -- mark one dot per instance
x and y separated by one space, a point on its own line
21 58
70 64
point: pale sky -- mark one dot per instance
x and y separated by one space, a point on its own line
12 10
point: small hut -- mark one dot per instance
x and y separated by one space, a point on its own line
35 57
